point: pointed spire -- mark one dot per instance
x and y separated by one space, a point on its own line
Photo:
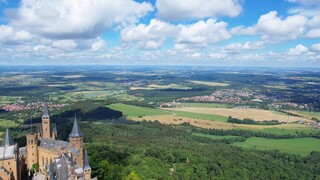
76 132
7 139
86 165
46 110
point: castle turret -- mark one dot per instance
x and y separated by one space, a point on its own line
7 139
76 139
9 158
32 149
46 124
86 166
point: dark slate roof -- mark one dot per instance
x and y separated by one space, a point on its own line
7 139
46 112
86 165
51 172
62 169
76 132
51 144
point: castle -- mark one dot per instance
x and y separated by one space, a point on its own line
52 158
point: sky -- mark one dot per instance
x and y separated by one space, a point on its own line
267 33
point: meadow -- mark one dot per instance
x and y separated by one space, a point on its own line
218 84
135 111
302 146
214 136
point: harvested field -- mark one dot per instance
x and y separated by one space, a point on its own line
210 83
172 119
255 114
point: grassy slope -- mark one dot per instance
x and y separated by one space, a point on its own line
209 105
213 136
313 114
302 146
288 131
130 110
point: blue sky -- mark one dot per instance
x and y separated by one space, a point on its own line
280 33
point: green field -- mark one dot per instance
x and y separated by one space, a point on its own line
288 131
130 110
213 136
209 105
200 116
302 146
281 87
313 114
210 83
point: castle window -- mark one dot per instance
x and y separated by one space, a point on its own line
46 129
32 154
8 163
31 141
42 160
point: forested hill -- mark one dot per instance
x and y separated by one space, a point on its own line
155 151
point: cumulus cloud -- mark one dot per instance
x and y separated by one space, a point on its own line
217 55
98 45
198 34
316 47
234 48
298 50
202 33
64 44
273 27
69 19
313 33
149 36
199 9
305 2
11 36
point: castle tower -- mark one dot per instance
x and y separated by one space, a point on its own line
86 166
9 158
32 149
46 124
76 139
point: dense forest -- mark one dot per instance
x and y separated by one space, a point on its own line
150 150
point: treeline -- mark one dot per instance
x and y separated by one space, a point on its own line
251 121
248 134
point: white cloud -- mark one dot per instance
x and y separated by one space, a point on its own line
305 2
12 36
149 36
316 47
199 9
64 44
298 50
234 48
68 19
196 55
98 45
313 33
189 36
202 33
273 27
217 55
